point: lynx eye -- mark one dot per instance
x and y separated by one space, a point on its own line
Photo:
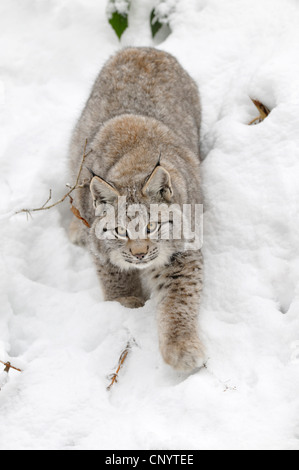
152 227
121 232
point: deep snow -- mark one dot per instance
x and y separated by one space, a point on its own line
53 323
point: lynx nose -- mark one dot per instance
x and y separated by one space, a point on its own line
139 249
139 256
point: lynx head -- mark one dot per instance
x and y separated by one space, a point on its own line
134 225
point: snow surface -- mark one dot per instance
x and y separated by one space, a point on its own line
121 6
53 322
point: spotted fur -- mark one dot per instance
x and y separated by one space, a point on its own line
142 123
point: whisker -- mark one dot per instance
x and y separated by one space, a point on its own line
151 258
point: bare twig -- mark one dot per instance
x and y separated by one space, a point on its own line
48 200
228 388
113 377
4 376
45 206
8 366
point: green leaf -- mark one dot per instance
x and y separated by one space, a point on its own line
119 23
155 24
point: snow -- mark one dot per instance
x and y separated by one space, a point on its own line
121 6
4 378
164 10
53 322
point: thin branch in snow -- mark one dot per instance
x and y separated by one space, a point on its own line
224 384
113 377
8 366
4 375
48 200
45 206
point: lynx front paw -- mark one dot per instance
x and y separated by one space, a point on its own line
183 355
131 302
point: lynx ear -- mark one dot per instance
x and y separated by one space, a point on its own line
102 192
158 182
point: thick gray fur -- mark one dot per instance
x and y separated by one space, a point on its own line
144 108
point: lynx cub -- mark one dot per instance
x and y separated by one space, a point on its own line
142 124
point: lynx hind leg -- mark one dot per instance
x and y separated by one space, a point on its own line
77 233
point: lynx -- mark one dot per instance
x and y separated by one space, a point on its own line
142 124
